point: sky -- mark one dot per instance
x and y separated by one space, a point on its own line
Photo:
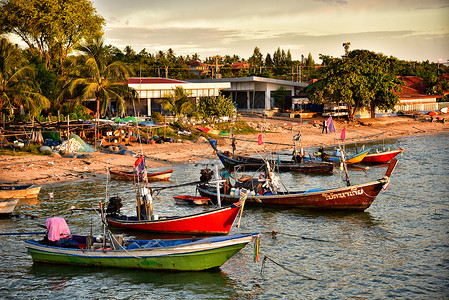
416 30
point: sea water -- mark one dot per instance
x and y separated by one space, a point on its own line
398 248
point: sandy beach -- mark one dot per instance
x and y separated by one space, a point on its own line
40 169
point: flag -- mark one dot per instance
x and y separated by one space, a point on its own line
343 134
139 165
330 125
260 139
297 136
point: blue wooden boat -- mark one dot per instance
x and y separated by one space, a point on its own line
230 161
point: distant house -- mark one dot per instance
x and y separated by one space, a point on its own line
236 67
412 98
200 69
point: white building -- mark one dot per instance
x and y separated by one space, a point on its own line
253 94
150 90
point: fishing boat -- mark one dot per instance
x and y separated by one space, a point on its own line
131 175
212 222
349 198
19 191
336 157
230 161
381 157
164 255
7 206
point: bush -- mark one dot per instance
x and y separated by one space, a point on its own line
216 106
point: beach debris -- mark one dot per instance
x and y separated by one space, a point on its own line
75 144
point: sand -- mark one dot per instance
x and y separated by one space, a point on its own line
40 169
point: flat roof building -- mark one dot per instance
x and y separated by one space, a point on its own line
253 94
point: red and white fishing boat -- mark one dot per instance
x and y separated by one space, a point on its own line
213 222
382 156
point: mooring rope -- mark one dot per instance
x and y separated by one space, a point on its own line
274 232
265 258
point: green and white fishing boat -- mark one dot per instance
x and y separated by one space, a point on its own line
167 255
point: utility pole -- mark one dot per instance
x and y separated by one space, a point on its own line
216 65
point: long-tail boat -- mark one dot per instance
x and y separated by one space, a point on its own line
350 198
212 222
230 161
164 255
381 157
19 191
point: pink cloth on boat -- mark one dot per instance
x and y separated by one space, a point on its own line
57 227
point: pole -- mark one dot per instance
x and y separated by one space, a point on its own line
218 186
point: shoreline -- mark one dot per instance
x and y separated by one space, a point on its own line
40 169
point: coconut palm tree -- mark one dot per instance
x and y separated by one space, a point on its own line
100 81
178 102
17 85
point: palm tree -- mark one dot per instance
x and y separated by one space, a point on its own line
17 85
100 81
178 102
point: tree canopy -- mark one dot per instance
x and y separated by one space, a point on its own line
53 27
361 79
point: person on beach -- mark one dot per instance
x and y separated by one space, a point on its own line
324 126
227 175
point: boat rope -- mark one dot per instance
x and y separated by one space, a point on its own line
265 258
274 233
158 189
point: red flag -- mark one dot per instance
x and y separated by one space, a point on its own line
139 165
343 134
260 139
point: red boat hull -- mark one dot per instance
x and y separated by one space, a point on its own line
381 157
214 222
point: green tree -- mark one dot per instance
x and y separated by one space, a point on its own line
100 81
178 102
52 27
216 106
17 85
280 96
256 60
361 79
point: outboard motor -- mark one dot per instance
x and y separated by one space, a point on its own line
114 205
206 175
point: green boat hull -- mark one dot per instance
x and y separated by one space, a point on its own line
195 261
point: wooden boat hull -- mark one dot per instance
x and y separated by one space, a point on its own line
381 157
129 175
250 163
19 192
7 206
214 222
352 198
189 256
351 159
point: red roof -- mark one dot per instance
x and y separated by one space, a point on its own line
153 80
240 65
414 82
